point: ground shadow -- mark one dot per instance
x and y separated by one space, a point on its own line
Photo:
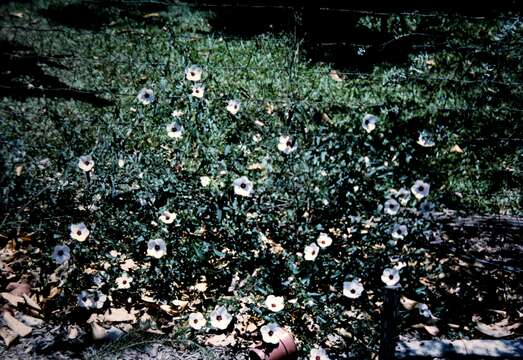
21 64
95 15
333 31
335 37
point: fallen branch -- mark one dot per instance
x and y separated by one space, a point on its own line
506 349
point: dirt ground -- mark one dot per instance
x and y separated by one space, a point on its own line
48 343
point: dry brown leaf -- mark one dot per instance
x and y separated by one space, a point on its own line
26 237
98 332
344 333
147 298
18 288
273 246
18 170
95 318
335 76
53 293
4 268
17 14
425 281
201 287
12 299
182 304
168 309
456 149
155 14
431 329
15 325
497 330
244 324
8 253
119 315
8 335
73 332
407 303
90 271
335 341
31 302
256 166
221 340
326 118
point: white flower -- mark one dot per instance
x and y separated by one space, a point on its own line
420 189
98 300
220 318
146 96
424 310
286 145
177 113
198 90
83 299
94 300
403 196
121 163
79 232
205 181
156 248
86 163
256 138
274 303
324 240
61 254
271 333
390 276
391 207
426 139
369 122
399 232
352 289
174 130
233 106
196 320
193 73
124 281
311 252
242 186
318 353
167 217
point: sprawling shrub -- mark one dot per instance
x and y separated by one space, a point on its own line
206 186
